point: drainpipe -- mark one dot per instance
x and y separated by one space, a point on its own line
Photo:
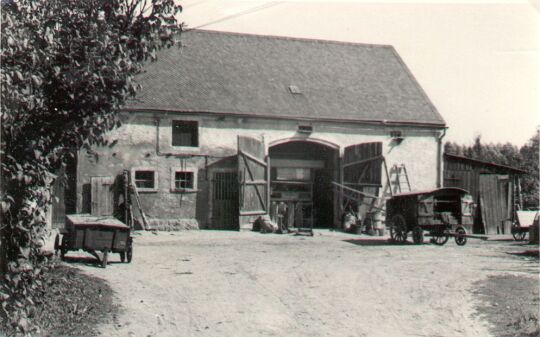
440 158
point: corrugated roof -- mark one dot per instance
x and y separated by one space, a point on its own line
252 74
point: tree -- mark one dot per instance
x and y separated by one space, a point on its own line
530 162
67 68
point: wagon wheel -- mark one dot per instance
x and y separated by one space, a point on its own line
440 238
104 259
56 244
398 228
64 247
519 236
129 253
461 240
418 235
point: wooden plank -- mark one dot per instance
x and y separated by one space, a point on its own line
363 161
101 195
355 191
253 158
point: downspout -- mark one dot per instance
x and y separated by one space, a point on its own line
440 158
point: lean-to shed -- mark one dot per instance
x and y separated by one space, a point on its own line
494 187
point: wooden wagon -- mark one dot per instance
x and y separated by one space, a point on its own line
94 234
441 212
524 220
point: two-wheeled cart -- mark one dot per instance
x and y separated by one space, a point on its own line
441 212
93 234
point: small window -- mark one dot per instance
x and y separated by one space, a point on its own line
183 180
185 133
145 179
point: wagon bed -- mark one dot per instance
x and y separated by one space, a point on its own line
95 234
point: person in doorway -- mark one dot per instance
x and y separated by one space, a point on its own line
282 217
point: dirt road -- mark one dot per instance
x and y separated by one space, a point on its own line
209 283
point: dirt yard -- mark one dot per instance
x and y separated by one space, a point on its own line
211 283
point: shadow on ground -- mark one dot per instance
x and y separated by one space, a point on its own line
376 242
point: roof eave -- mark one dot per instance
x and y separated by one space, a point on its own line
423 124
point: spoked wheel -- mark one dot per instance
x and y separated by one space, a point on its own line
518 235
418 235
398 229
104 259
129 252
439 238
56 244
461 240
63 247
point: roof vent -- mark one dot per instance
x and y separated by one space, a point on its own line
294 90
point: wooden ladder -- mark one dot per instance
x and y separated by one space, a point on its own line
401 171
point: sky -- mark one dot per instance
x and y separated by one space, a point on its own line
477 60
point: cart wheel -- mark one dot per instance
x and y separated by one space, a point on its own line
63 247
129 252
461 240
398 228
122 257
56 244
418 235
519 236
440 239
104 259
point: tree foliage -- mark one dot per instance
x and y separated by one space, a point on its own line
525 158
67 66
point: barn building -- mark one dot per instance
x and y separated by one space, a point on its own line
494 187
229 125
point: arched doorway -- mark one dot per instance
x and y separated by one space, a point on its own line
301 175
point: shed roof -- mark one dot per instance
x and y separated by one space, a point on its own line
268 76
482 163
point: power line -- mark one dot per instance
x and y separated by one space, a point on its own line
236 15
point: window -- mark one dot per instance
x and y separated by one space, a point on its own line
185 133
145 179
183 180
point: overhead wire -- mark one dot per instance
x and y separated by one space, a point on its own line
241 13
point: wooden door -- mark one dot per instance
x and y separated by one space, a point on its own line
102 195
252 175
225 200
495 204
362 171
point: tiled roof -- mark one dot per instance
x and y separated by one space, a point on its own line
256 75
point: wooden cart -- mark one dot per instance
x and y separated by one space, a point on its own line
524 220
441 212
94 234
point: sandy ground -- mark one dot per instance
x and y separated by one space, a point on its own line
211 283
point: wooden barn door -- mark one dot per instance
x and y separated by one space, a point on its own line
361 171
495 203
252 175
102 195
225 200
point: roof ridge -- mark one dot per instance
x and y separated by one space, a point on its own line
289 38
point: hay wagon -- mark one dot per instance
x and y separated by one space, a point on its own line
441 212
94 234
